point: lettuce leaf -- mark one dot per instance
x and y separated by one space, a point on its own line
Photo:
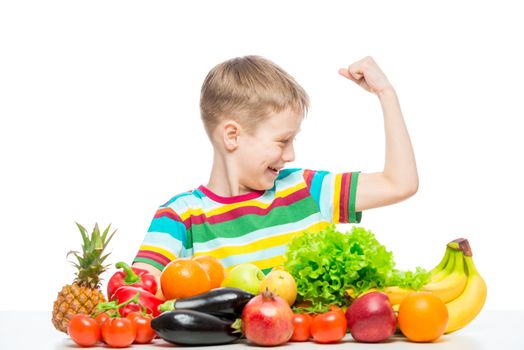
327 263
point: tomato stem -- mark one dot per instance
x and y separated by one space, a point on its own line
113 306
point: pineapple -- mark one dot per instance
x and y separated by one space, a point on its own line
84 294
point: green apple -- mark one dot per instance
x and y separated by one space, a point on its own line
247 277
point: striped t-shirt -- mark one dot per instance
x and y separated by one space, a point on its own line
250 228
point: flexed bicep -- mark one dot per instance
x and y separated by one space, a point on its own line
376 190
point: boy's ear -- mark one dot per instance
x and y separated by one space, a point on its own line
230 134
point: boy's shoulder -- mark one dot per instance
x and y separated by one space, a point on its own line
290 178
182 198
286 172
295 175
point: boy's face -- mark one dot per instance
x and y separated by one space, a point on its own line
262 153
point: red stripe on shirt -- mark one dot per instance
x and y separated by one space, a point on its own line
238 212
308 177
344 197
171 214
232 199
168 212
159 258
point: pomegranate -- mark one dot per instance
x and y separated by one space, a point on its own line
267 320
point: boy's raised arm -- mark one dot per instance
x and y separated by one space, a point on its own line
399 179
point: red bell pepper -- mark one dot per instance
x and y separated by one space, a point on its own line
148 300
131 276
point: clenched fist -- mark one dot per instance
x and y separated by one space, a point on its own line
368 75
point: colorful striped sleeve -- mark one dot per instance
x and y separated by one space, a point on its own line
166 239
335 194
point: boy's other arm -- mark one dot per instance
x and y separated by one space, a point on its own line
155 272
399 179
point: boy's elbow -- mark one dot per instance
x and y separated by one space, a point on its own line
402 190
409 189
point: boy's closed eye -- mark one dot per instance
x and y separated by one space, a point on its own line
286 141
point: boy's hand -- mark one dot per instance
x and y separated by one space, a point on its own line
368 75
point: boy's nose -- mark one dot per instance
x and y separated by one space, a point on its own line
289 153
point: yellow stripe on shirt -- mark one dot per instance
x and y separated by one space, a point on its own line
265 243
336 198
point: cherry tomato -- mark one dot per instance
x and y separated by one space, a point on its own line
302 325
338 309
84 330
329 327
132 307
118 332
142 324
101 318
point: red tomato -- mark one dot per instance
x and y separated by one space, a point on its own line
302 327
338 309
142 324
132 307
102 318
84 330
118 332
329 327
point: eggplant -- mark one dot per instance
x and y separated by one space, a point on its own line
222 302
190 327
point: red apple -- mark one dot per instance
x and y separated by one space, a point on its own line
371 318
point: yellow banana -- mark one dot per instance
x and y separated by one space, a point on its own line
449 287
448 278
397 294
446 270
467 306
438 271
454 283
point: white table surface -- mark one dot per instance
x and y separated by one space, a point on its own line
500 330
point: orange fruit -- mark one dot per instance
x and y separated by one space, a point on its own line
213 267
183 278
422 317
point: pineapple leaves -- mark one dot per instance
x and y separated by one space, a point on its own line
96 239
89 262
104 235
83 231
104 257
72 252
81 261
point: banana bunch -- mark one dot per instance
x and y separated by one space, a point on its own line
456 281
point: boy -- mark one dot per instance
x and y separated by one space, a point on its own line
252 207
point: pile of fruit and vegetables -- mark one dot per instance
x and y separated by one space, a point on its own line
332 284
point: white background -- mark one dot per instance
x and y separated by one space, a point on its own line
100 121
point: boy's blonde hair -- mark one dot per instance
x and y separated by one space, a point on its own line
247 89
